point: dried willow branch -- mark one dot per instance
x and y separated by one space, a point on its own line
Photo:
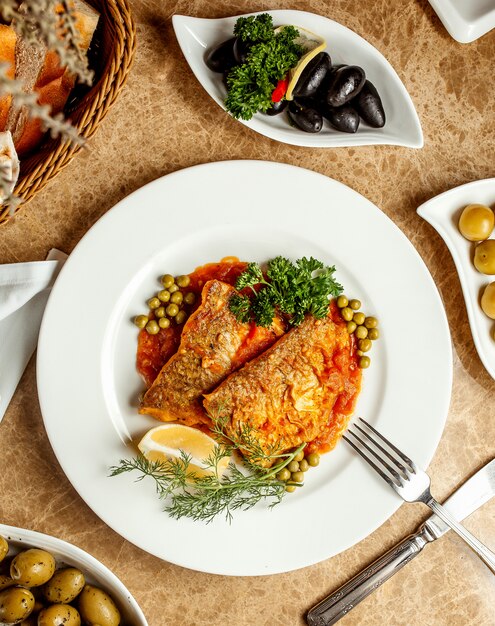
55 124
40 24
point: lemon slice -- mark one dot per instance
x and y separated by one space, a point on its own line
166 441
312 45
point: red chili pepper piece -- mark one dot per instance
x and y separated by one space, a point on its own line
280 90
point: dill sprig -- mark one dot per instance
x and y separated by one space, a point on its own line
203 497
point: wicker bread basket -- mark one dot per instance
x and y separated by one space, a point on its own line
111 54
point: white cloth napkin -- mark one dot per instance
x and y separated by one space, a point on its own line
24 291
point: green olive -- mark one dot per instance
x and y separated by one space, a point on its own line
59 615
64 585
180 318
355 304
164 322
313 459
16 604
164 295
97 607
160 312
484 257
6 581
364 345
303 465
167 280
359 318
476 222
152 327
173 288
299 456
4 548
351 327
284 474
347 313
297 477
488 301
373 333
364 362
32 567
371 322
183 281
290 488
190 298
172 310
153 303
293 466
361 332
141 321
177 297
342 301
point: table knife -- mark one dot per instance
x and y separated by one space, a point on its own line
470 496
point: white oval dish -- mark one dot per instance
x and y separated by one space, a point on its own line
443 213
66 554
402 128
246 209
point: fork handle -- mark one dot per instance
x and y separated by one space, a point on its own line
486 555
340 602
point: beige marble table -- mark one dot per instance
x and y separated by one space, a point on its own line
163 122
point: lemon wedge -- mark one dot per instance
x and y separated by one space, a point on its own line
166 441
312 45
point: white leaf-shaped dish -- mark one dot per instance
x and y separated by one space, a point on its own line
465 20
443 213
402 128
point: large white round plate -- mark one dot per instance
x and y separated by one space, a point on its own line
88 385
196 36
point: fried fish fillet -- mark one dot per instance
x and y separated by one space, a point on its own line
213 344
287 394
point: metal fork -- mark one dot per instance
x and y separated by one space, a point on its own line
411 483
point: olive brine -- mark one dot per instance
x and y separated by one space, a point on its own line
339 94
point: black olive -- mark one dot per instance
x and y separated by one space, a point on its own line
305 118
241 50
277 107
221 58
369 106
312 76
344 118
345 83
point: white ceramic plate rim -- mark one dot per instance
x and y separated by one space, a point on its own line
68 554
461 29
403 127
85 405
440 212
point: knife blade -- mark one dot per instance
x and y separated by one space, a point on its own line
472 494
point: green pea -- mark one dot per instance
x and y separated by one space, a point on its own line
141 321
176 298
299 456
359 318
355 304
173 288
190 298
160 311
172 310
152 327
346 313
153 303
164 295
297 477
364 362
313 459
290 488
361 332
183 281
167 280
373 333
303 465
293 466
180 318
342 301
364 345
164 322
284 474
359 352
371 322
351 327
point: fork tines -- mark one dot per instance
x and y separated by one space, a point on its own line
395 462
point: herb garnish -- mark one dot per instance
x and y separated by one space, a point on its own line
205 497
270 57
293 289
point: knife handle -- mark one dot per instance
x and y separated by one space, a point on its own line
335 606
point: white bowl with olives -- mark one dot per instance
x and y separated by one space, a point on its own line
45 581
